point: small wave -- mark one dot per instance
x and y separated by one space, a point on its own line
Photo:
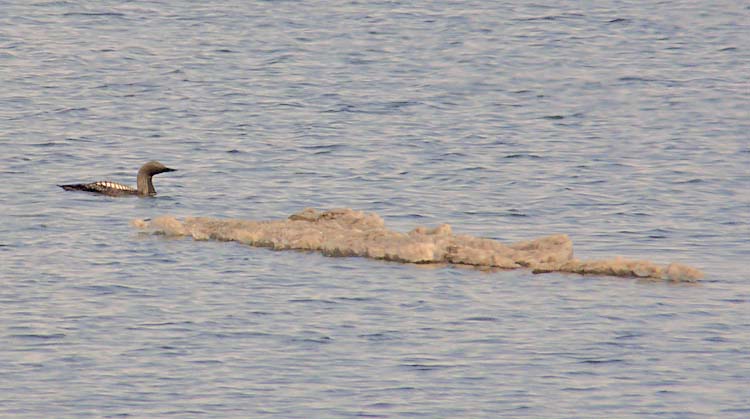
601 361
481 319
112 14
346 232
423 366
523 155
637 79
39 336
552 17
380 337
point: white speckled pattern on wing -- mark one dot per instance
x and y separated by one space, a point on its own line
112 186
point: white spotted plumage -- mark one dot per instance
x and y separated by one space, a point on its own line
114 185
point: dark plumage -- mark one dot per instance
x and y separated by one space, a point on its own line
144 185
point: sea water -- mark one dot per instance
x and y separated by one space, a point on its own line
621 124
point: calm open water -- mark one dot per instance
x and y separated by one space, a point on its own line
621 123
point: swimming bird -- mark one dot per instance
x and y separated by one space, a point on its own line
144 185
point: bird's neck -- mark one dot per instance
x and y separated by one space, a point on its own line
145 186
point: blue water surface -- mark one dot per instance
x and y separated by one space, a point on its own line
623 124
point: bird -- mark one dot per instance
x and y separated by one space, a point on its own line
144 185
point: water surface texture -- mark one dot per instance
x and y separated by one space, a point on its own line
622 124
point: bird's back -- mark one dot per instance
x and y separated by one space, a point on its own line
102 187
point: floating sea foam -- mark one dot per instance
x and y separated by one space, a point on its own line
346 232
